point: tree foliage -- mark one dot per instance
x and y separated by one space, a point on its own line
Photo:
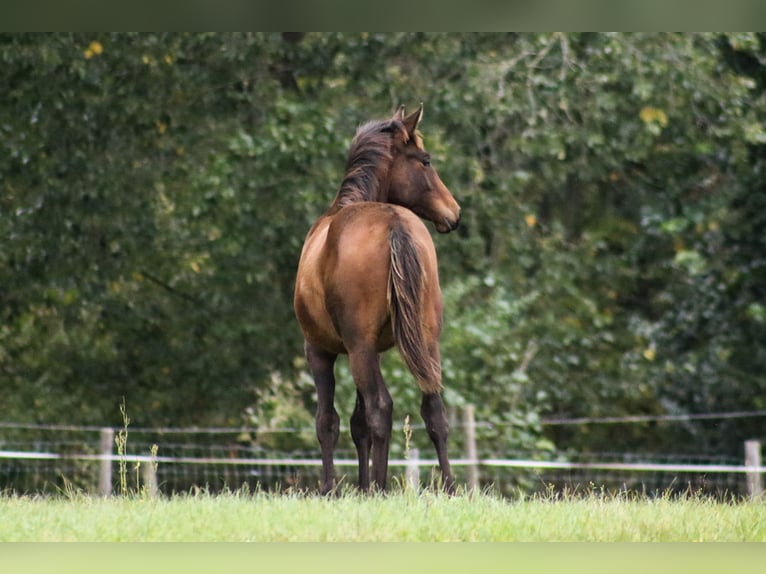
156 189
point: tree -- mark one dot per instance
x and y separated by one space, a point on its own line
156 189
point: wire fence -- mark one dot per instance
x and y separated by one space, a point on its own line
51 459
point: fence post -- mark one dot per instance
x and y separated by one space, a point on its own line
149 475
412 470
470 447
753 474
105 468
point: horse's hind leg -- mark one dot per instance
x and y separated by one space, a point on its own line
377 409
435 417
360 433
322 364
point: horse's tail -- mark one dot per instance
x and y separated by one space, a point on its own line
406 286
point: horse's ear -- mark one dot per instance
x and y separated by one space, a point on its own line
399 114
411 122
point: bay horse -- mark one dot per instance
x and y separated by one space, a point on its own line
367 280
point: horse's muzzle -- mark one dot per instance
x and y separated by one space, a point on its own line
446 225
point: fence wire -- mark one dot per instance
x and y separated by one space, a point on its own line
43 460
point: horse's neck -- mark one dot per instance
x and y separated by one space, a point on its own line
362 184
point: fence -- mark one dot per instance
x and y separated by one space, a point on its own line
49 459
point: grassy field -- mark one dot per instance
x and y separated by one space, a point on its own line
402 516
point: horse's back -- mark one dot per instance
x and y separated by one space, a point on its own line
358 245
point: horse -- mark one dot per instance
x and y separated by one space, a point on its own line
367 280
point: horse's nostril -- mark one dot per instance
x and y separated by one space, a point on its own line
450 224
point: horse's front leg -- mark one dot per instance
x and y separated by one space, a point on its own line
322 363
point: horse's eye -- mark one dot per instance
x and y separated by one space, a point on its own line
427 162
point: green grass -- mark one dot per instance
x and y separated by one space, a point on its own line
402 516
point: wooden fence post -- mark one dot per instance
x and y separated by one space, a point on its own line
412 470
470 447
753 474
149 475
106 444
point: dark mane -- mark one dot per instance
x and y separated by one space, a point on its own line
370 152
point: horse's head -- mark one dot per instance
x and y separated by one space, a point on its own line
413 181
